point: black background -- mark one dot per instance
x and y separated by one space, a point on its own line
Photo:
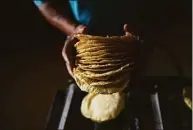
32 68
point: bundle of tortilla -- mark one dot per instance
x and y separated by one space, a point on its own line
104 64
103 69
187 95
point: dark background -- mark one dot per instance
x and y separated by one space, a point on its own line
32 68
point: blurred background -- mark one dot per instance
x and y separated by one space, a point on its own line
32 69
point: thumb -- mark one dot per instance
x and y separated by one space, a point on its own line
126 30
69 67
84 29
81 29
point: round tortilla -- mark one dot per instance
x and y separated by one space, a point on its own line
187 94
90 74
105 82
97 70
100 86
84 84
93 46
103 53
100 67
102 107
101 47
96 66
104 61
109 57
101 77
112 38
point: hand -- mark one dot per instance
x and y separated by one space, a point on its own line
68 48
126 29
127 33
80 29
136 40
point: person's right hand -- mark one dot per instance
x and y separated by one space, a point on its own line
68 49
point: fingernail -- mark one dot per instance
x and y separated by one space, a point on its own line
126 26
84 29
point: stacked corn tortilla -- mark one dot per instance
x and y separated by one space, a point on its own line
103 68
187 95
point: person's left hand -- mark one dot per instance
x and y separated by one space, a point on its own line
68 51
126 30
135 39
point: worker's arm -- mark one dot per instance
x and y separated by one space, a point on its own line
61 21
66 25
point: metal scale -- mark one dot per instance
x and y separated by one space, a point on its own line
151 107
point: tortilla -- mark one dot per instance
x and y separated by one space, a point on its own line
84 85
101 47
187 94
112 38
100 53
102 107
99 68
89 74
81 45
102 62
96 66
109 57
106 81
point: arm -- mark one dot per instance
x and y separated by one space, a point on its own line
66 25
62 22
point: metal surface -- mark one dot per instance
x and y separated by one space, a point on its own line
163 103
156 111
68 102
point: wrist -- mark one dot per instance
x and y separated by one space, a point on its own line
72 28
66 25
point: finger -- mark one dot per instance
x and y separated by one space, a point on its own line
67 54
126 30
70 66
67 49
85 30
82 29
70 69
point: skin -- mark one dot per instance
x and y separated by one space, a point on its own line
68 27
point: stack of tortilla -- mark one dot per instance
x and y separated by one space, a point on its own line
103 68
187 95
103 64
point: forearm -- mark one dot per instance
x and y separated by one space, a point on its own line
58 20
